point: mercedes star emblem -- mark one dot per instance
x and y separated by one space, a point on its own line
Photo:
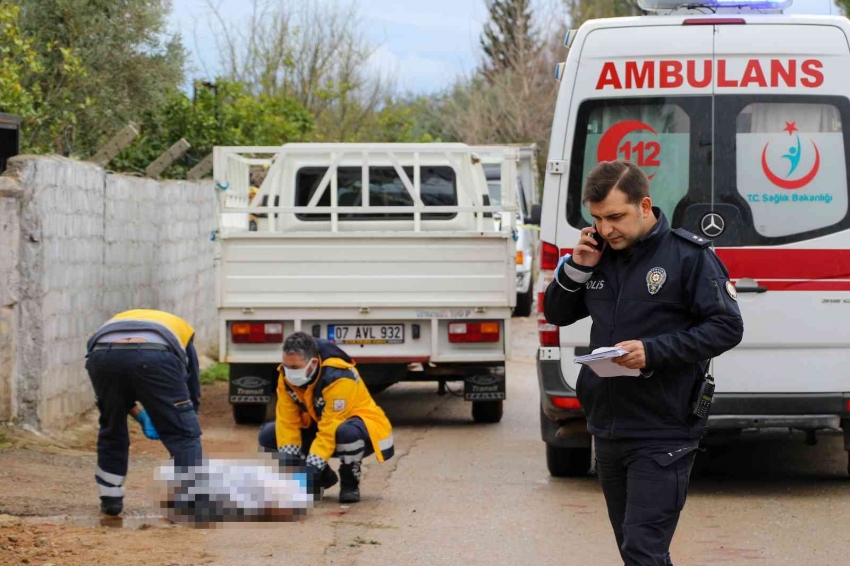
712 225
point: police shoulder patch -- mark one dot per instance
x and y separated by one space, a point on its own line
692 238
731 291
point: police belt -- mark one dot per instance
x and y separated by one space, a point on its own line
132 346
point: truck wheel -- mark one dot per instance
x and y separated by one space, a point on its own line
567 462
378 377
524 302
249 414
487 411
375 388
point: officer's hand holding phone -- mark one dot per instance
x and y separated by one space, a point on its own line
588 251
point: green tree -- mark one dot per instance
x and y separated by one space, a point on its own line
26 65
227 114
508 39
129 64
315 52
583 10
844 5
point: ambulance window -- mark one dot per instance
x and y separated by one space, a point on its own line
653 133
791 167
438 188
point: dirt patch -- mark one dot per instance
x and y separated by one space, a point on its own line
42 545
52 474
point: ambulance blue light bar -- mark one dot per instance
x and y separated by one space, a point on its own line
665 5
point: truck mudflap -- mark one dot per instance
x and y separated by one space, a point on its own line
489 386
252 383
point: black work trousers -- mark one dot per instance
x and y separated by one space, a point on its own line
645 483
157 379
352 440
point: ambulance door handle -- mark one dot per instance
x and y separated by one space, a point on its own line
749 286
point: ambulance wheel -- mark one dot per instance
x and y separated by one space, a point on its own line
487 411
249 414
524 302
567 462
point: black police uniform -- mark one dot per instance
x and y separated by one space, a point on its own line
671 292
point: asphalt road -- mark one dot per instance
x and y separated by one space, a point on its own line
460 493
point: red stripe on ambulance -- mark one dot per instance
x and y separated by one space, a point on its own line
670 74
782 269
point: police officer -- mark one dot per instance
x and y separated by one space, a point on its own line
324 410
146 356
664 297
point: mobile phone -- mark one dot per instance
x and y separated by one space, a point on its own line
600 243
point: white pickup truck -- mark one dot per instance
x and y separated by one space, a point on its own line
411 277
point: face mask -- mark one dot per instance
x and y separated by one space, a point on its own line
300 377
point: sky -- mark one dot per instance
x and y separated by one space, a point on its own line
425 44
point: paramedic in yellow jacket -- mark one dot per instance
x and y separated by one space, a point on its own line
324 410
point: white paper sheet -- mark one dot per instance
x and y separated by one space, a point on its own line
600 362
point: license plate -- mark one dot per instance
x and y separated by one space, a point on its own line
366 333
484 388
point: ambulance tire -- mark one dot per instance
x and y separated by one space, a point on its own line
249 414
567 462
487 411
524 301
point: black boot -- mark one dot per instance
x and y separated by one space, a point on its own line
111 506
328 479
349 488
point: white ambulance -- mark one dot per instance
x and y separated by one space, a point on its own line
737 113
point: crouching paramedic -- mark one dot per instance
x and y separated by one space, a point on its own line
325 410
145 356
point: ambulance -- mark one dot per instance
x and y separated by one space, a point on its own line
737 112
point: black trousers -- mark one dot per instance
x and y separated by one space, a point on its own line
645 483
155 378
352 440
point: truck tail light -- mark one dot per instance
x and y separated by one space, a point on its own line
256 332
549 257
566 403
519 257
468 332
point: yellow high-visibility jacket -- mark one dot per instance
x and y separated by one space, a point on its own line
178 333
337 394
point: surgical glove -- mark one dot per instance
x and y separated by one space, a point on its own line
314 484
147 426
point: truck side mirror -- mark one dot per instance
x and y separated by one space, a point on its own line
534 217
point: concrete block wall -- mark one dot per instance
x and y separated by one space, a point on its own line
82 246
